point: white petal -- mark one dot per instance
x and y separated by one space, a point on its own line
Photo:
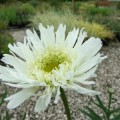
71 38
26 85
47 35
18 64
87 75
18 98
81 37
22 50
48 98
60 35
51 34
89 64
88 49
92 46
82 90
34 40
57 97
82 78
40 104
43 102
10 75
33 36
87 82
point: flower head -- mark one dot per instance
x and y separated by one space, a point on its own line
48 62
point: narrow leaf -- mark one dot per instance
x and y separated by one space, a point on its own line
94 114
115 110
7 115
100 104
87 114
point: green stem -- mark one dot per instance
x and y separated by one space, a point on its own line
110 98
65 102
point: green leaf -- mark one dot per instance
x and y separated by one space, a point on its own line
7 115
115 110
87 114
94 114
100 104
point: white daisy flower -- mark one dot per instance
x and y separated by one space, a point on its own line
50 61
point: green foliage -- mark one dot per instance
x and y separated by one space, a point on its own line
118 5
27 9
55 2
111 22
8 14
84 6
3 1
100 10
34 2
23 13
5 39
44 7
109 113
108 16
24 1
71 20
3 25
90 9
17 15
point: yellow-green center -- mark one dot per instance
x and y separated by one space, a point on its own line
52 58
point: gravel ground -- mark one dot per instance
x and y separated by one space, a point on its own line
108 74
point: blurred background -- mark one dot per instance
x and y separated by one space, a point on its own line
101 18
